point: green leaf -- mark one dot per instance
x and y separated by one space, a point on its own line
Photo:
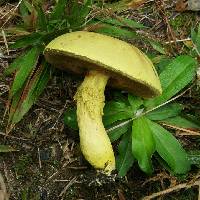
143 145
29 63
174 78
116 31
165 112
117 130
41 20
6 148
124 22
29 40
181 122
13 104
114 111
170 149
157 46
79 13
125 158
70 118
32 91
135 102
23 9
18 62
59 10
28 6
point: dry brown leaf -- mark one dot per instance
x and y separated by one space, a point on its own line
136 3
181 5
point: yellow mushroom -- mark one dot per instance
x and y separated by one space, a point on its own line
101 59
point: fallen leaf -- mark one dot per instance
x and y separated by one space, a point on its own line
181 5
135 3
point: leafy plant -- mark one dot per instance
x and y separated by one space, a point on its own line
40 27
138 122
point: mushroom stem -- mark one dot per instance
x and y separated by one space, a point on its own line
94 141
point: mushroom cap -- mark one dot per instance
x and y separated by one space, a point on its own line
129 69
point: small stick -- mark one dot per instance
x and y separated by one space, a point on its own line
5 41
11 15
186 131
39 158
172 189
71 182
13 137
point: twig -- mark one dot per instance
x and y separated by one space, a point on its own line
71 182
60 114
11 15
13 137
181 40
5 41
39 158
186 131
172 189
3 191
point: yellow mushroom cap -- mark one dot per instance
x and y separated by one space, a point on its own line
129 69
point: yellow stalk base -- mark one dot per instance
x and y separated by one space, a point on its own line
94 141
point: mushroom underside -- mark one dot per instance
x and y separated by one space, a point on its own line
81 65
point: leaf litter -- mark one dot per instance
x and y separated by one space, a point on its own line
57 168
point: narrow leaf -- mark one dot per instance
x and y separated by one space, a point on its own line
41 19
181 122
116 31
125 158
170 149
58 10
28 40
143 145
32 92
174 78
27 65
165 112
157 46
124 22
18 62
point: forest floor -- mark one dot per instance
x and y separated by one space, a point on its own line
46 161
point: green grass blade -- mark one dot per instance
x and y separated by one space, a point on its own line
41 20
30 40
116 31
24 71
31 92
58 10
17 63
123 22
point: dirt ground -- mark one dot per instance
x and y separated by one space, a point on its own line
47 163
